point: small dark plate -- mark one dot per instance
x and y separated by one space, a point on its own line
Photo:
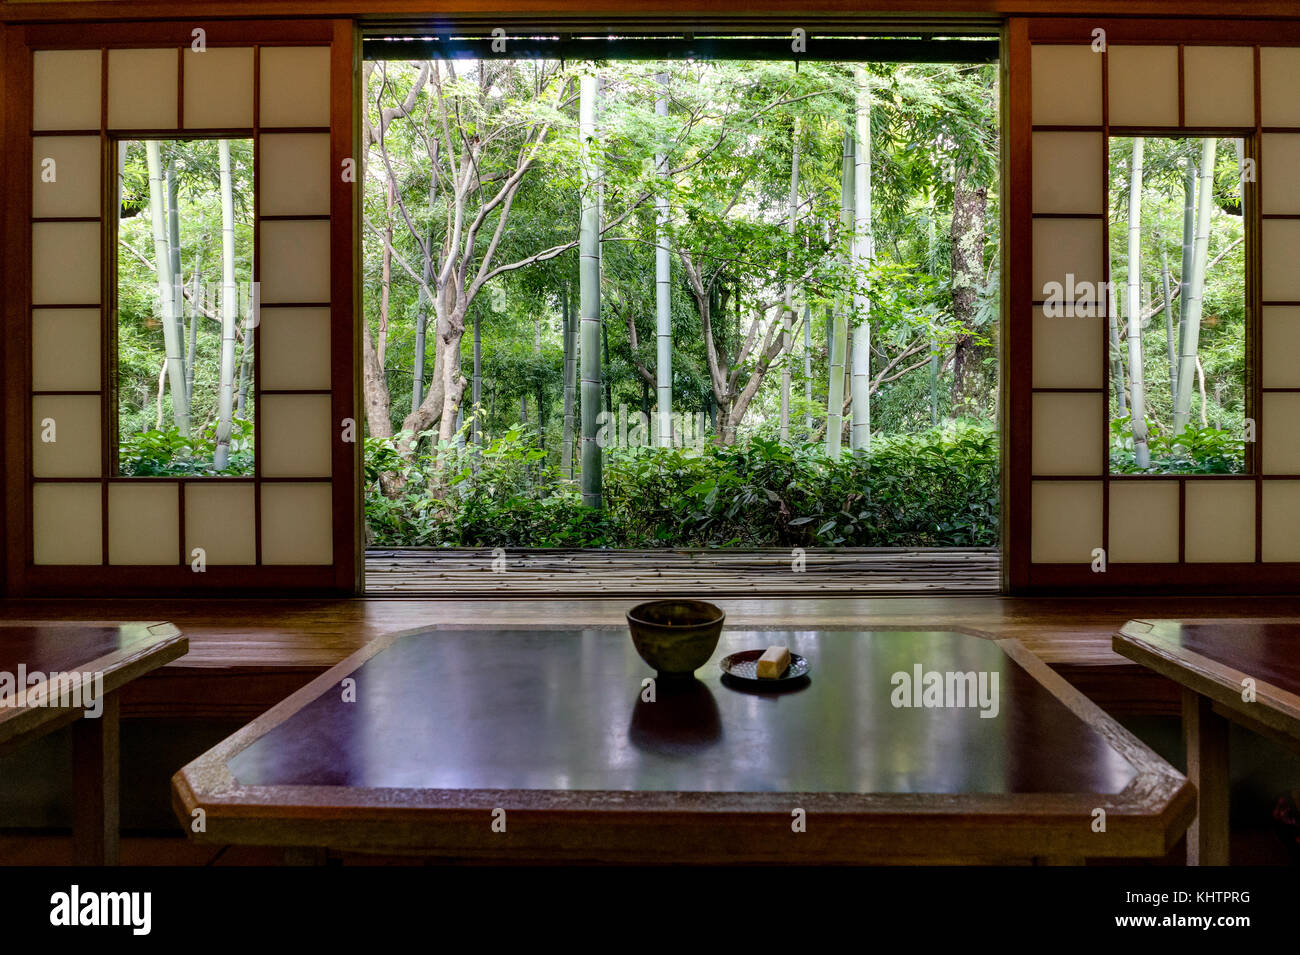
744 666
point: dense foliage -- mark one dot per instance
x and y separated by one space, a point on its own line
938 488
1213 441
189 195
476 174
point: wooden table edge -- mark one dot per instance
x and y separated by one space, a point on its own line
19 725
1210 678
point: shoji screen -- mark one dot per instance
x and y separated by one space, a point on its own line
1087 82
74 525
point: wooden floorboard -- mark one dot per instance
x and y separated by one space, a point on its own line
246 655
634 573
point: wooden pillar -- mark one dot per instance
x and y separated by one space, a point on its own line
1206 736
96 764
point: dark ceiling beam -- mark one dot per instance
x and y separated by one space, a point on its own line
871 49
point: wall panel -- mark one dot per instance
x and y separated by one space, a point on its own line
291 525
1228 78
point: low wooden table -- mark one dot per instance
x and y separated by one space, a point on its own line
1242 670
531 745
117 652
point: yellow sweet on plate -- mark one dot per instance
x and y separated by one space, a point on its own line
773 662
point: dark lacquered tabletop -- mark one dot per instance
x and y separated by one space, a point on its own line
559 710
58 648
1265 651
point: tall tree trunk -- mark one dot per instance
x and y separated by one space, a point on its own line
174 249
863 252
1187 258
229 313
192 334
1195 296
934 380
379 419
1137 379
1171 342
421 322
807 371
476 385
570 381
451 328
386 270
969 212
166 289
589 296
787 313
663 290
245 371
931 262
609 385
839 320
1117 375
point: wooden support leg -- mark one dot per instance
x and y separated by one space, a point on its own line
1206 735
96 763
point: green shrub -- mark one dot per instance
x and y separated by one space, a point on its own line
1195 451
164 452
935 489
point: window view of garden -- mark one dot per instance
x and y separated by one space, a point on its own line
1178 305
184 300
680 303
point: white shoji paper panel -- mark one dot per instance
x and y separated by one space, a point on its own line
295 170
143 523
1219 524
1143 85
295 259
1143 522
65 349
220 518
1065 85
295 344
65 263
295 86
1067 434
1219 84
67 524
66 89
1279 434
295 435
1280 253
1067 351
296 524
1279 78
1066 521
1279 173
1064 248
75 450
142 91
65 176
1280 329
1067 173
219 88
1280 513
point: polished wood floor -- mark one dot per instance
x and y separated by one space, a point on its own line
246 655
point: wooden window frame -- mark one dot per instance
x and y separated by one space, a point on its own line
1023 576
22 576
